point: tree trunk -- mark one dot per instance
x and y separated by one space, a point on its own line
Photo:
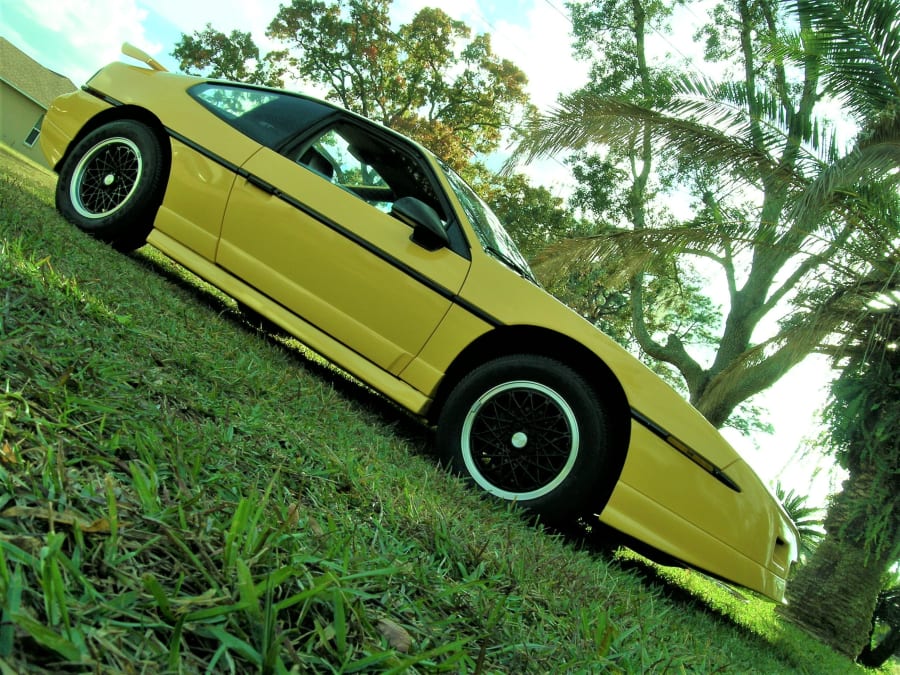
887 611
874 657
833 596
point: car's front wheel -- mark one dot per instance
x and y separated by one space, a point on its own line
111 184
531 430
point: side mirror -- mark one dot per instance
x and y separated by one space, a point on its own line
428 230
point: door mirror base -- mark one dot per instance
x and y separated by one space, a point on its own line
428 230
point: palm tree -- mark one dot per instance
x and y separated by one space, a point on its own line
825 239
757 134
805 517
836 595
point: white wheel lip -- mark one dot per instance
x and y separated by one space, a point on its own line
466 449
78 175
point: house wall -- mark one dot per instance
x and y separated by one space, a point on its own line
18 115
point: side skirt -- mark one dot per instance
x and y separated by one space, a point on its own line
383 382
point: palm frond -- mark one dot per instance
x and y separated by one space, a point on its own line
759 124
808 519
622 253
761 117
582 119
702 119
860 39
874 163
796 506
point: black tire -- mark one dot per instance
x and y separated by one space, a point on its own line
111 184
531 430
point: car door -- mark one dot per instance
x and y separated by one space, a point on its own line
311 228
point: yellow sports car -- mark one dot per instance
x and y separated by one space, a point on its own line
371 251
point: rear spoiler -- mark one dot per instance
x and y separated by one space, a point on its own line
129 49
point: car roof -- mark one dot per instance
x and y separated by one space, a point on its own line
330 104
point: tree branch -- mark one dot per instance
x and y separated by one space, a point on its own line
673 352
806 266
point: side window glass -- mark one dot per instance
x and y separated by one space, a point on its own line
268 117
333 157
369 167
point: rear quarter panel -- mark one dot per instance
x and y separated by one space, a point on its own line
205 151
165 96
64 120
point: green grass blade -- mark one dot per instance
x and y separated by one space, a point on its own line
47 637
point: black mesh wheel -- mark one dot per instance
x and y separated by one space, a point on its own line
528 429
111 184
520 440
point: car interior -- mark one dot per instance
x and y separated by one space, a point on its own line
370 168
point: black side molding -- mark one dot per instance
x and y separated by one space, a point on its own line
685 450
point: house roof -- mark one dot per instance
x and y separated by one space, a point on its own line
29 77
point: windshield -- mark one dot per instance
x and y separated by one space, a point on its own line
488 228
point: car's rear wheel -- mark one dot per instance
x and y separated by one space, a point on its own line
531 430
112 182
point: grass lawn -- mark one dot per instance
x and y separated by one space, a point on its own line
181 493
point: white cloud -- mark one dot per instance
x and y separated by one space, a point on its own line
224 15
76 37
542 48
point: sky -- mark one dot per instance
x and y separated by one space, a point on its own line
76 37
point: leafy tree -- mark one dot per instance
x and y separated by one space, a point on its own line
835 595
672 293
766 147
229 57
533 216
430 79
618 190
637 242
